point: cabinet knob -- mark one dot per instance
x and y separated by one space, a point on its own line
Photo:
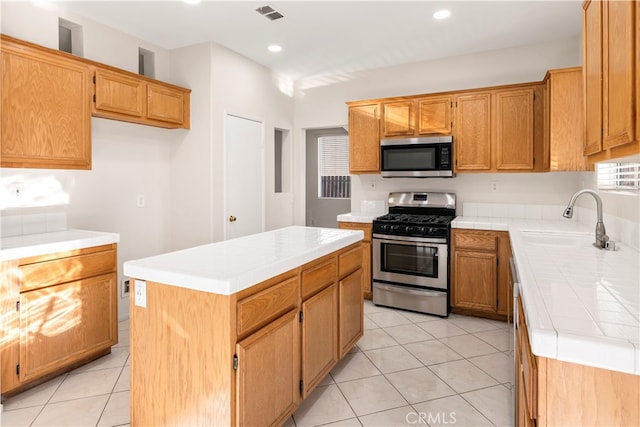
232 218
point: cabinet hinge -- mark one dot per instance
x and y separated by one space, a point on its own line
17 369
301 386
301 317
94 97
17 305
235 362
94 79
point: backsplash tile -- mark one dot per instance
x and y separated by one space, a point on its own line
18 225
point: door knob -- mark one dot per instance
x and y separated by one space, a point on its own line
232 218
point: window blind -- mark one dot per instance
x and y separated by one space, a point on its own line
333 167
618 176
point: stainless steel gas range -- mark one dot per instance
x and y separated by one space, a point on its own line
411 252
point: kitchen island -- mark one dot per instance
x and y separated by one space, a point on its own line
239 332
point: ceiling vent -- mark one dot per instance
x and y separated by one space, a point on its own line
270 13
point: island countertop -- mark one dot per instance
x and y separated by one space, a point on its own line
232 265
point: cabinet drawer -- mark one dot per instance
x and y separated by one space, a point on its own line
528 363
478 241
350 260
260 308
319 276
358 226
62 270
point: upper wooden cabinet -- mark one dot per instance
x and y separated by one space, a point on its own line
514 117
46 108
472 139
564 124
435 115
364 138
398 118
610 79
128 97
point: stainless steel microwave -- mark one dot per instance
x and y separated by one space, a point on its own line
423 157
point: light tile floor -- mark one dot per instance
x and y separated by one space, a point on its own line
408 369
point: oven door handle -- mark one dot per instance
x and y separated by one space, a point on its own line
409 239
406 290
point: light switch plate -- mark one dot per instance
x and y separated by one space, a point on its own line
141 293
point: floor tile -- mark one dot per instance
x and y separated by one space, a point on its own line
419 317
442 328
370 395
469 345
385 319
497 365
477 324
117 411
323 405
351 422
370 307
327 380
369 324
502 339
432 352
418 385
393 417
20 417
124 380
91 383
392 359
495 403
116 359
405 334
375 338
36 396
448 411
462 376
77 412
352 367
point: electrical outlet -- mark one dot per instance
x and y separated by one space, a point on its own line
124 288
140 200
494 186
16 190
141 293
372 186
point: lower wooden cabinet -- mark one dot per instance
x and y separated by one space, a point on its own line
251 356
367 250
480 273
60 311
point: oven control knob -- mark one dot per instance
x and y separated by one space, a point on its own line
408 229
423 230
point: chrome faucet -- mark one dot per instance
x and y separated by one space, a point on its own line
601 235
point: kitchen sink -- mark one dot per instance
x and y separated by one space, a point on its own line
569 239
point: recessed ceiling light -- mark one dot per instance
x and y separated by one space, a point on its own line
442 14
275 48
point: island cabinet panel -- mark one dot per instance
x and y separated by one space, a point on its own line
319 276
551 392
268 373
351 312
364 138
319 337
472 140
367 252
398 118
46 108
60 312
435 115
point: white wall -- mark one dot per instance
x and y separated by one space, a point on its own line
324 106
128 159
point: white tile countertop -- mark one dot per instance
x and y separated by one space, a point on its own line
28 245
232 265
363 217
582 304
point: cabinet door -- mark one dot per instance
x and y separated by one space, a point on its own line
618 70
434 115
514 129
267 388
398 118
351 311
165 104
46 109
319 337
472 132
64 323
364 139
476 280
592 76
119 93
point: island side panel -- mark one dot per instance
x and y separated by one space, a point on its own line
182 358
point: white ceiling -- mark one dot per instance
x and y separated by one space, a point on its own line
335 37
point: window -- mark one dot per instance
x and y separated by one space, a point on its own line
333 167
618 176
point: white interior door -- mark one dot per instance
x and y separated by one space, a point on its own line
244 176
